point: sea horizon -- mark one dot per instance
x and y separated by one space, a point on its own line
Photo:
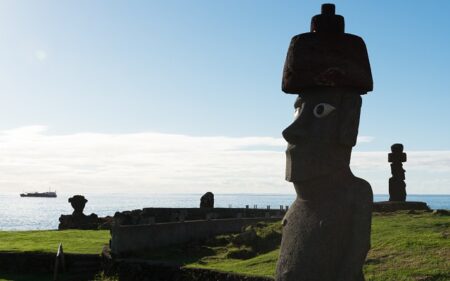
21 213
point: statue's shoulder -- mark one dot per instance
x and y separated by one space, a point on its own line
362 187
361 182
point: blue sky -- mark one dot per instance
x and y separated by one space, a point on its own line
210 69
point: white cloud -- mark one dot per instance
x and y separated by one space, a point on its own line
364 139
31 159
425 161
427 172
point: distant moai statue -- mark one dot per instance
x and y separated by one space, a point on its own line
397 185
207 200
326 231
78 220
78 203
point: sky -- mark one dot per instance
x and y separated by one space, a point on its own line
185 96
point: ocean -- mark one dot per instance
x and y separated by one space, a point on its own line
18 213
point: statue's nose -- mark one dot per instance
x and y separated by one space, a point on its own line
298 131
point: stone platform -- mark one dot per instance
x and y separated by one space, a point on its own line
392 206
130 240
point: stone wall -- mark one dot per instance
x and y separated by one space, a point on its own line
161 215
14 262
393 206
132 239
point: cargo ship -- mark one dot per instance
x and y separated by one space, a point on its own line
48 194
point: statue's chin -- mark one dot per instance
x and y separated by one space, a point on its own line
313 160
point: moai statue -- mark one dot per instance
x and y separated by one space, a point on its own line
326 231
397 185
78 220
207 200
78 203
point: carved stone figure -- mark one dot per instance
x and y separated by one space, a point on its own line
326 232
78 203
78 220
207 200
397 185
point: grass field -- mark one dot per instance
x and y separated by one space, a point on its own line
409 247
405 247
47 241
413 247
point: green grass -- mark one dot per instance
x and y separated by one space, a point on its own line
405 246
409 247
261 265
47 241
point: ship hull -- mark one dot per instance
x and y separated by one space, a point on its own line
45 195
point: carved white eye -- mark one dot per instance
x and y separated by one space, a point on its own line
323 109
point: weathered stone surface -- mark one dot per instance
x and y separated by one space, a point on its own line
137 239
161 215
129 217
397 185
326 57
78 222
105 222
326 232
207 200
